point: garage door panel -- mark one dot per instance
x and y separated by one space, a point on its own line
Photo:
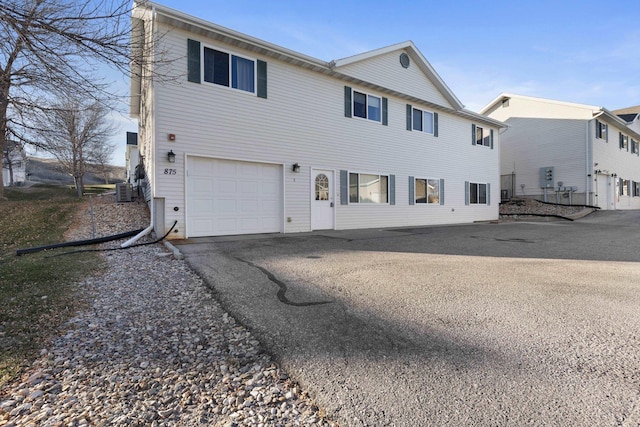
249 188
225 206
202 185
226 226
233 197
225 185
202 207
250 207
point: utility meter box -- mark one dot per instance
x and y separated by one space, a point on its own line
547 174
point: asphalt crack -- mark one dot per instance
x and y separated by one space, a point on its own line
282 287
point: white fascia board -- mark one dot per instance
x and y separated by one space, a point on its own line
504 96
611 118
201 26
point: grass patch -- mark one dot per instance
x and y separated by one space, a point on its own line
37 291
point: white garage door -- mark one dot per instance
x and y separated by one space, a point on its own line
227 197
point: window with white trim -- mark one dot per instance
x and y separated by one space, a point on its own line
226 69
624 187
367 106
427 191
478 193
422 121
624 142
601 130
368 188
483 136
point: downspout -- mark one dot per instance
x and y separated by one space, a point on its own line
149 229
144 232
589 169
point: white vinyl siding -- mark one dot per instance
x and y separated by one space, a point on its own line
545 133
225 124
386 71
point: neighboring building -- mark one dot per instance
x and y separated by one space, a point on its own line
14 164
575 153
630 115
241 136
132 157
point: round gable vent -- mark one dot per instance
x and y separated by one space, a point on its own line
404 60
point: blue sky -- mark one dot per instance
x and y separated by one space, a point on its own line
579 51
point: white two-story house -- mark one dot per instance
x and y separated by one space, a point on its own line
245 136
567 152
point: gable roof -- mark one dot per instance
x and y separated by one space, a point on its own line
213 31
417 57
506 96
629 110
627 117
600 113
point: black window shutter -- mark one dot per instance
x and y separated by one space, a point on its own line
193 61
473 134
412 190
491 137
488 194
262 79
344 187
347 101
392 189
620 140
435 124
409 113
467 196
385 113
442 191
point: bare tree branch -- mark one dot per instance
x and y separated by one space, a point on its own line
49 47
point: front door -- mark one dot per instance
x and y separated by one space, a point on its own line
322 199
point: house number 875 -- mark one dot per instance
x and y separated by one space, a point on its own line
170 171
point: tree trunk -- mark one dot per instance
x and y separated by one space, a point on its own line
79 186
10 166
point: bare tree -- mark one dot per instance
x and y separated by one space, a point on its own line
73 131
100 155
57 44
12 157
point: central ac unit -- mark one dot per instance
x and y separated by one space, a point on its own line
124 192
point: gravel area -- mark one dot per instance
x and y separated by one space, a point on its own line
528 207
154 349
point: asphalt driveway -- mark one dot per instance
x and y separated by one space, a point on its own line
517 323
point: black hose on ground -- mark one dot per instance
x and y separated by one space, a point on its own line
79 242
110 238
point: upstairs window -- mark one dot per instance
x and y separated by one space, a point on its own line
205 64
229 70
601 130
481 136
365 106
422 121
624 142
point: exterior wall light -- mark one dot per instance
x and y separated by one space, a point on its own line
171 156
296 168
